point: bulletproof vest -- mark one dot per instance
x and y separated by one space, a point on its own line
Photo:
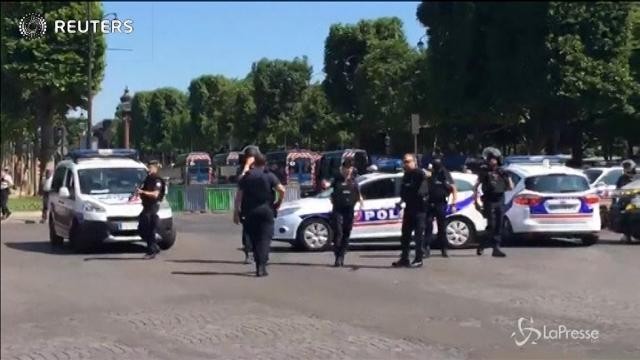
439 191
344 194
496 183
424 191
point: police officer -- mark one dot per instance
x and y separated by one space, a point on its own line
344 197
628 175
246 161
495 182
255 200
414 216
151 193
441 184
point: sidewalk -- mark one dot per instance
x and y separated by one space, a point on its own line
23 217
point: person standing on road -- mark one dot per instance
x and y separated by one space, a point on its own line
45 187
628 175
441 185
495 182
151 193
255 200
414 194
6 182
343 198
248 158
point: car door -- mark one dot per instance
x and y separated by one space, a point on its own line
379 218
54 197
515 179
66 205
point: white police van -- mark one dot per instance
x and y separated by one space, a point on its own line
305 222
551 200
91 200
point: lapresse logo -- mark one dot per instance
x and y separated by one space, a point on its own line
33 26
528 334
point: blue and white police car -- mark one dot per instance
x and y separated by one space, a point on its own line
91 200
305 223
551 200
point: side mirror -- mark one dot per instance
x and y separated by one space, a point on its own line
64 193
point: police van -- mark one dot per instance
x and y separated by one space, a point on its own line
91 200
552 200
305 223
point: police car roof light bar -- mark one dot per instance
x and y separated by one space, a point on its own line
78 154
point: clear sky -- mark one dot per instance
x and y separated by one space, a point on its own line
173 43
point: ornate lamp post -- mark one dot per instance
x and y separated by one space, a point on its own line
125 110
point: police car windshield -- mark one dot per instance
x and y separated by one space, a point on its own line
557 183
593 175
110 180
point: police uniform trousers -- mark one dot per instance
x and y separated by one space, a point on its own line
413 221
147 225
342 219
259 226
437 211
494 213
247 247
4 200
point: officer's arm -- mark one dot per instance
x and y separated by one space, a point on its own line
237 202
280 190
475 190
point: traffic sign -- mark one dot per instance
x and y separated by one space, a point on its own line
415 124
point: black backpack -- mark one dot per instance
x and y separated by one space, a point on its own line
439 191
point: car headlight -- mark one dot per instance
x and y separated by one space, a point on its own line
288 211
91 207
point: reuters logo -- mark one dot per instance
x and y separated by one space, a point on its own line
32 26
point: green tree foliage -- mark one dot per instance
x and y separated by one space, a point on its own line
141 121
169 120
50 72
278 86
320 126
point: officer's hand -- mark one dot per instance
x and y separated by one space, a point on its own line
236 218
454 209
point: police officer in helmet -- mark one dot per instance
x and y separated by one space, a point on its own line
256 201
413 194
629 173
247 159
151 193
495 182
343 198
441 185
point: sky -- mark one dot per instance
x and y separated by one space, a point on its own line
173 43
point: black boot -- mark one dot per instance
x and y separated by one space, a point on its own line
261 271
247 258
444 252
401 263
498 253
426 253
336 263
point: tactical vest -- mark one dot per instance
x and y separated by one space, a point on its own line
439 190
496 183
344 194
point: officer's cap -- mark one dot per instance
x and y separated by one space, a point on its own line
154 163
491 153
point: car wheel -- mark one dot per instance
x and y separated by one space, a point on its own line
314 235
54 239
79 244
460 232
589 240
168 239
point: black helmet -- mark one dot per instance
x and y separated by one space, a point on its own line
628 164
251 150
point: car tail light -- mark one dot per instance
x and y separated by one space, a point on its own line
592 199
527 200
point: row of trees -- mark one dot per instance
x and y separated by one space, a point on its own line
527 76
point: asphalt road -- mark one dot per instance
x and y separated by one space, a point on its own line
198 301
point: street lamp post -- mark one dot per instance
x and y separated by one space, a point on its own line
125 109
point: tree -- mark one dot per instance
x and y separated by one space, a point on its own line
319 125
169 122
141 121
278 86
242 114
50 72
346 47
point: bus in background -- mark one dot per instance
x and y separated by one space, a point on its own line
192 168
330 162
294 165
226 166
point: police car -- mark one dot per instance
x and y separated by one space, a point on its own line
305 223
552 200
91 200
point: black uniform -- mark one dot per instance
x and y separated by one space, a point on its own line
148 218
246 241
257 207
413 194
625 178
494 184
344 197
440 185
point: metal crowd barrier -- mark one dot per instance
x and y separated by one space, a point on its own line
205 198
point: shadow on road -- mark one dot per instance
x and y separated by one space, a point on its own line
242 274
617 242
276 263
44 247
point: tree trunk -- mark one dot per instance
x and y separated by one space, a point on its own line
45 120
577 149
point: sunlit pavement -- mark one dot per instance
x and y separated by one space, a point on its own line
198 301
